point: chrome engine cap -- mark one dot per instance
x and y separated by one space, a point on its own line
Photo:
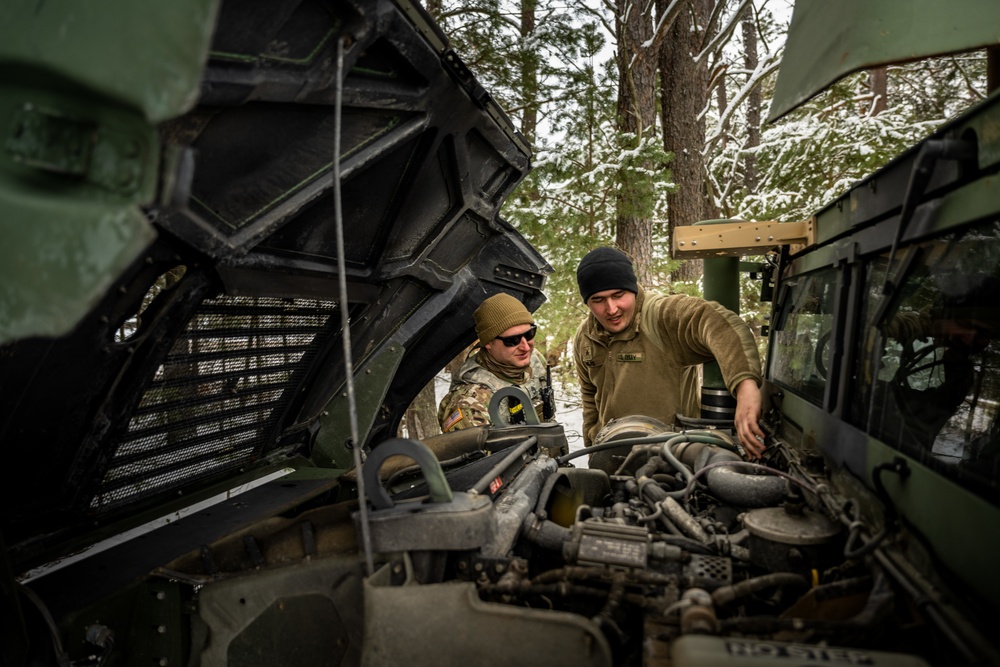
776 524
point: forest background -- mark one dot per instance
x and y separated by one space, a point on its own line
647 116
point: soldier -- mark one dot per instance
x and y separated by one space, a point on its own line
506 357
638 353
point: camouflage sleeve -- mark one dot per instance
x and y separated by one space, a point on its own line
465 406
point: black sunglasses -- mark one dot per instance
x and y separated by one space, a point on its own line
515 340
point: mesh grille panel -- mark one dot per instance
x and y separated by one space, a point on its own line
216 397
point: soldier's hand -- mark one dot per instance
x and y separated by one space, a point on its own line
748 410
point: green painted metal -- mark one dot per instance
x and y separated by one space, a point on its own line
722 284
58 258
945 515
370 386
142 54
828 40
82 87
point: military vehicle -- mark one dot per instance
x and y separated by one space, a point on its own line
240 238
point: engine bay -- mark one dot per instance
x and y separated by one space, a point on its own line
686 554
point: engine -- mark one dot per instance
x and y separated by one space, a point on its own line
684 554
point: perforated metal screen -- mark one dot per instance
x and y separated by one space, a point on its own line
214 401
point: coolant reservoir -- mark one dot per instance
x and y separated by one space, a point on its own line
797 540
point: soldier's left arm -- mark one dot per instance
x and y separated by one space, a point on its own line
465 406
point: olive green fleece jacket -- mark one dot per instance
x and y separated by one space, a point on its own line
651 368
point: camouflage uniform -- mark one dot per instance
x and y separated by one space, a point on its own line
468 401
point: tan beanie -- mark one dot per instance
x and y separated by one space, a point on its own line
497 314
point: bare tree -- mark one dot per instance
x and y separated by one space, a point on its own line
684 93
636 59
420 420
750 60
878 83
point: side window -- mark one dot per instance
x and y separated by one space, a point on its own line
800 343
929 368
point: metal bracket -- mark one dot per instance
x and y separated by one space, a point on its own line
735 238
530 416
437 485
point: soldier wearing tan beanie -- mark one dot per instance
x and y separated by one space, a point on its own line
499 313
506 356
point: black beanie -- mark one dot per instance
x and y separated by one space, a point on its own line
603 269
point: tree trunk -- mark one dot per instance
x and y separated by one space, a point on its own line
529 71
751 176
433 7
636 116
421 417
722 101
684 94
878 83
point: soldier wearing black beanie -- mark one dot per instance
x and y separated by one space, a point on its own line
639 354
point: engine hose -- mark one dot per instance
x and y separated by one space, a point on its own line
666 451
854 537
727 594
765 487
637 452
543 495
546 534
593 449
605 619
734 487
655 465
643 440
654 499
647 488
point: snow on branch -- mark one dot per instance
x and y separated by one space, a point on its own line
665 22
768 65
723 35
